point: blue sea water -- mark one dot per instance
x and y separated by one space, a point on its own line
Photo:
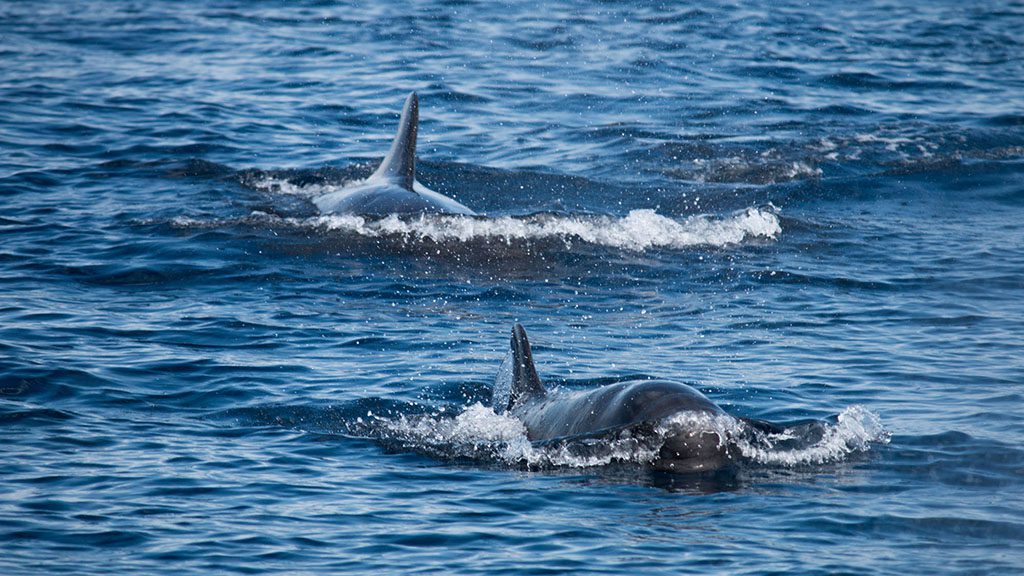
803 209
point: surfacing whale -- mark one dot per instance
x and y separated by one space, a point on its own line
635 407
393 188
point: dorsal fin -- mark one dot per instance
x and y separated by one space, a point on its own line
525 382
399 166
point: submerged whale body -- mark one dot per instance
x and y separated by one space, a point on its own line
393 188
636 407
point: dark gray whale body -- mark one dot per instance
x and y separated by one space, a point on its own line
393 188
636 406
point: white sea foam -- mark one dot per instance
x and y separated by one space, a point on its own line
474 433
638 231
479 433
284 186
856 428
766 168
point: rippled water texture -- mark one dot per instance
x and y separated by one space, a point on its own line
806 211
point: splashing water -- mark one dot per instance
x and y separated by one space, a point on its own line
639 230
856 428
478 433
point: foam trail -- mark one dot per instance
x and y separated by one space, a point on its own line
477 432
638 231
855 430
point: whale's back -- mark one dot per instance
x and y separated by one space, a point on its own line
378 197
609 408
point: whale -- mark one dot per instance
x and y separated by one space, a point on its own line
694 444
392 188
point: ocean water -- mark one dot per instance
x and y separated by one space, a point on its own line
804 210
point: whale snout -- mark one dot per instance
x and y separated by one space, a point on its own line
693 451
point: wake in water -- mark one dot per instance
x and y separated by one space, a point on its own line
639 230
478 433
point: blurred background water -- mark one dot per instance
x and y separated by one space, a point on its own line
804 210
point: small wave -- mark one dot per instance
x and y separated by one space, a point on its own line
305 183
855 429
286 186
763 169
894 149
478 433
637 231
